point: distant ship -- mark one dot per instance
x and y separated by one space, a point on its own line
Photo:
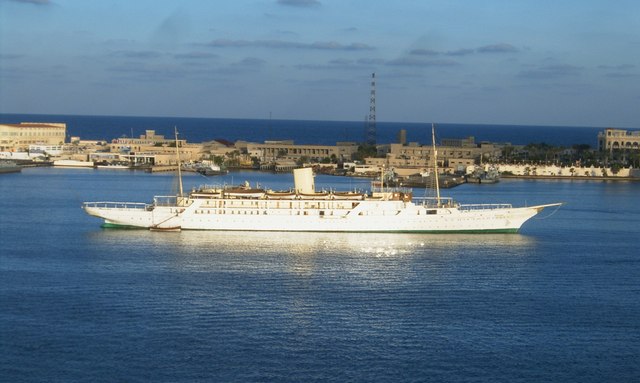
305 209
211 170
481 176
9 167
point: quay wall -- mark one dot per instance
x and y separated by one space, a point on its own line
565 171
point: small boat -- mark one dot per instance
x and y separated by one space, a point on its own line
348 195
243 192
114 165
319 195
280 194
9 167
210 170
481 176
166 229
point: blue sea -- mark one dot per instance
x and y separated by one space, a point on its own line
306 132
559 302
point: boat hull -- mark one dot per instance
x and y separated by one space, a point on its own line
73 164
366 216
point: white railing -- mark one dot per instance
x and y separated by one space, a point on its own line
448 202
485 206
210 187
117 205
434 202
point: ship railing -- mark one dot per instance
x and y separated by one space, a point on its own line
485 206
391 189
165 200
210 187
118 205
434 202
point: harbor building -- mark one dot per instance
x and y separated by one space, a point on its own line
146 140
286 150
18 137
154 149
47 150
617 139
453 154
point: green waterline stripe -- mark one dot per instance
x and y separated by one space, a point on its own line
121 227
478 231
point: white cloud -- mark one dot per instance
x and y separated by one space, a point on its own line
282 44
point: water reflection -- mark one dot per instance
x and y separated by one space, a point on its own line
309 244
301 267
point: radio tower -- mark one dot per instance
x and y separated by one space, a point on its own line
371 123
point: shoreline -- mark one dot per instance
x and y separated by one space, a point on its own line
502 176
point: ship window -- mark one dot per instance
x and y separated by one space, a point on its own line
431 211
321 212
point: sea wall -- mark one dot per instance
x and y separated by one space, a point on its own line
565 171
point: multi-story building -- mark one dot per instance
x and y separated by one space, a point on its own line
287 150
18 137
149 139
454 154
615 139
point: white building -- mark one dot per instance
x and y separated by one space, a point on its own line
615 139
18 137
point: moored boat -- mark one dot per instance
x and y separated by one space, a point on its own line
9 167
114 166
73 164
211 170
482 176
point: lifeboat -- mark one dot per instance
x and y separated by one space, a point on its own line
243 193
348 195
319 195
280 194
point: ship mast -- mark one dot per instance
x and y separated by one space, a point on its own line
180 191
435 163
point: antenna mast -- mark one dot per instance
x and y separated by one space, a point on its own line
435 163
371 126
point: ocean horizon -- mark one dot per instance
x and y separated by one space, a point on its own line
195 129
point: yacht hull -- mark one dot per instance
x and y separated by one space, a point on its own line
318 216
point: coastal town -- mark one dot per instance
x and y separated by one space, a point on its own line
407 163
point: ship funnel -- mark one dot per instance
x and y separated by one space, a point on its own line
303 181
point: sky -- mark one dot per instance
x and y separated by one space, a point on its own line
525 62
